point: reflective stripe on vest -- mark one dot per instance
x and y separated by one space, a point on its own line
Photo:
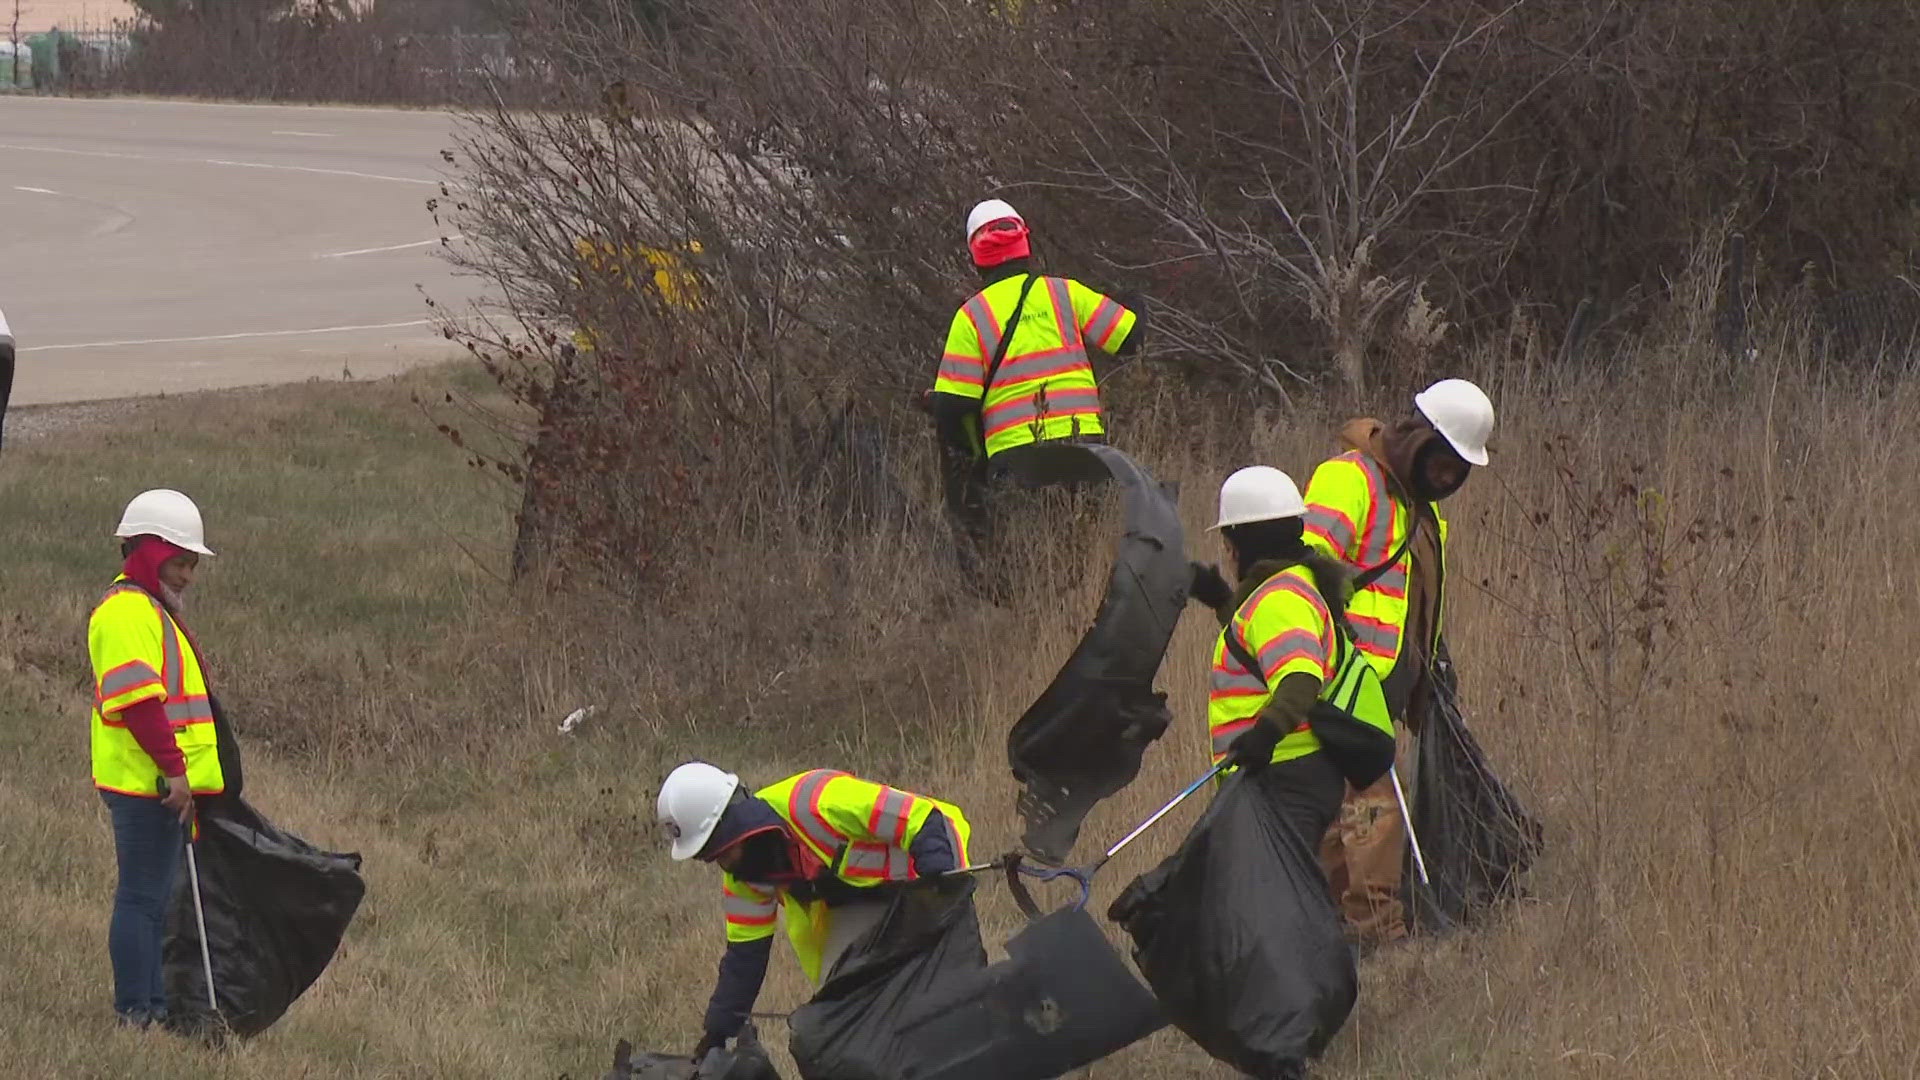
125 764
1042 404
1036 394
874 862
803 812
891 814
1224 734
1377 534
1236 695
747 911
1378 612
809 803
1106 319
181 709
127 678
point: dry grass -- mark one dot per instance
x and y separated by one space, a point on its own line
1712 728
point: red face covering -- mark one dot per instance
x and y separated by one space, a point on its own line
143 562
998 242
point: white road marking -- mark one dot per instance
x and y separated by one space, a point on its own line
327 172
226 337
390 247
36 190
309 134
212 161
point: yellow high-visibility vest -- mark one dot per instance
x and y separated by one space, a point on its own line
861 830
140 653
1287 627
1354 515
1045 387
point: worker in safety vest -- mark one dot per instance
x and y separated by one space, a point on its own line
1376 508
154 742
1016 369
1284 647
818 849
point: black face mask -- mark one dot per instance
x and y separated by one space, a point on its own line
1423 488
765 859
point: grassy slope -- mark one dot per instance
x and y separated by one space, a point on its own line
1728 892
342 586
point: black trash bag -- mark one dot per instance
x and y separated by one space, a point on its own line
746 1059
1238 936
850 1030
1061 1000
276 909
1083 739
1475 837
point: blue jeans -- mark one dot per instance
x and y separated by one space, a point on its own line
148 844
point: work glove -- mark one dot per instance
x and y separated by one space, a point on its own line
1207 586
1252 749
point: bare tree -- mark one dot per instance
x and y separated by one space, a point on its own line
1351 118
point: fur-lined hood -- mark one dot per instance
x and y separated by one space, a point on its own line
1331 578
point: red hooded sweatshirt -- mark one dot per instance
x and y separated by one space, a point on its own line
147 721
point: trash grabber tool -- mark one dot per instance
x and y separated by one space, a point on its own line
1084 875
1157 815
1413 839
200 918
976 868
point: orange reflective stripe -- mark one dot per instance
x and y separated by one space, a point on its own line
1291 645
1105 320
966 370
128 677
986 325
1376 636
1026 408
1332 526
1391 582
1376 541
874 862
747 910
1224 734
1044 364
953 837
891 813
803 809
195 710
1063 320
1234 681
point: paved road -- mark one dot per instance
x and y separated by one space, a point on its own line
152 247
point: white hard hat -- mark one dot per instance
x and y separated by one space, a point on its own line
168 515
691 802
1462 415
990 211
1258 493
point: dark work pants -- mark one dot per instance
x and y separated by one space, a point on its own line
147 845
987 501
1308 791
